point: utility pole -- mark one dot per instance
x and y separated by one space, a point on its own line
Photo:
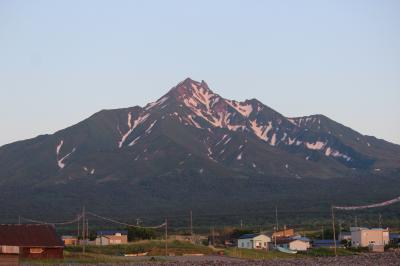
323 237
241 223
87 228
333 229
276 218
380 220
191 224
83 231
19 219
166 237
213 235
355 221
79 231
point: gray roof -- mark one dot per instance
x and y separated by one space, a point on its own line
247 236
112 232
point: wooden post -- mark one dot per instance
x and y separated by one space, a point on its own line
334 231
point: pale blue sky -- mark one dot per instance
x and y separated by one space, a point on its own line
61 61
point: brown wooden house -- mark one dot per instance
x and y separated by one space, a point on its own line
30 241
283 233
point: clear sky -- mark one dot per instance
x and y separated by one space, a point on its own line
61 61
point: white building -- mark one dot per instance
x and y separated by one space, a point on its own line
254 241
364 237
301 244
111 237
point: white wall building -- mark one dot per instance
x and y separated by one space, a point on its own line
254 241
364 237
300 244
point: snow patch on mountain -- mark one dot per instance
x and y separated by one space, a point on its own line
159 102
148 130
194 123
273 140
134 141
259 130
131 127
244 109
227 141
334 153
61 163
59 146
318 145
223 138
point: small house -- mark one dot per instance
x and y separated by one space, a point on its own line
283 233
299 244
30 241
254 241
111 237
364 237
70 240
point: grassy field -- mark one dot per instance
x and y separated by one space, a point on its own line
78 258
156 248
273 254
153 247
259 254
114 254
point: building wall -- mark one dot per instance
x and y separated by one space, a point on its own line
259 242
70 241
118 240
47 253
299 245
283 233
9 260
102 241
245 243
112 240
363 238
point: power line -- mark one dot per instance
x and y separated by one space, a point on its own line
52 223
122 223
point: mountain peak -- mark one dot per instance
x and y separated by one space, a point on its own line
189 87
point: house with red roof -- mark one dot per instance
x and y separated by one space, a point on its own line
31 241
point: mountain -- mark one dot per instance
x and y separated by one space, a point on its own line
194 149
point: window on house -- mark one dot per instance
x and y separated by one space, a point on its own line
36 250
